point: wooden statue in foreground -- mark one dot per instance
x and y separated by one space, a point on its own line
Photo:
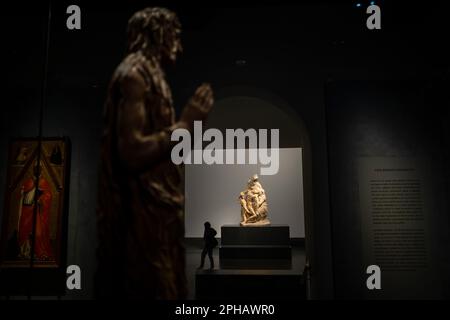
140 214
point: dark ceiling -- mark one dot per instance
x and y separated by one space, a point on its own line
277 30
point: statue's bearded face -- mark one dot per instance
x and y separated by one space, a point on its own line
172 44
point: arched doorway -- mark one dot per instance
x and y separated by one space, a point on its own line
289 195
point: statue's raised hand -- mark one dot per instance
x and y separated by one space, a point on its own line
199 105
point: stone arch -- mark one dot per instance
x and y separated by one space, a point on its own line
250 107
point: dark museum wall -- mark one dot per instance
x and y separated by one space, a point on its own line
368 151
285 50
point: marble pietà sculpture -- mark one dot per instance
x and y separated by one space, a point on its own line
253 204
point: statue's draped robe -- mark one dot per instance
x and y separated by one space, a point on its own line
140 214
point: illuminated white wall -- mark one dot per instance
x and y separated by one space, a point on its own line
212 193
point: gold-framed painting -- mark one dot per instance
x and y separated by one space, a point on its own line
36 204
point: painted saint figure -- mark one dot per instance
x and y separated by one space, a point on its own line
42 247
141 214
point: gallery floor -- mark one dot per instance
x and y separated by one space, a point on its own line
193 253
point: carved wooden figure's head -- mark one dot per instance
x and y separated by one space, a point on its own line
155 32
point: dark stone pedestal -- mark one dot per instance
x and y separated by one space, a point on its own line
258 247
255 263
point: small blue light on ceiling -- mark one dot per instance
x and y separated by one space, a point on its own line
372 2
358 5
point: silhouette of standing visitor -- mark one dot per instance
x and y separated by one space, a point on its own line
210 242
